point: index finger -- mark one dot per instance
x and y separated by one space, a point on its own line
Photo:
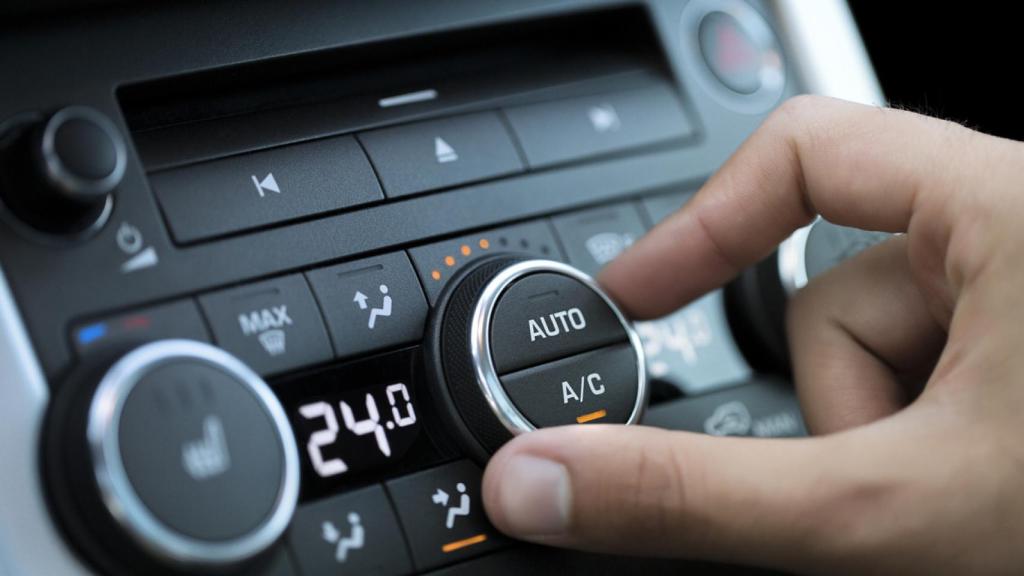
855 165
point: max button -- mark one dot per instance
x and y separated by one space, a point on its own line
274 326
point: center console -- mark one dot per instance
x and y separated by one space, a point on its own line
277 279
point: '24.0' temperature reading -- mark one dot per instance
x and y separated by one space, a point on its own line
402 415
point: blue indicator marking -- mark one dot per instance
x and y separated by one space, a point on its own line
92 333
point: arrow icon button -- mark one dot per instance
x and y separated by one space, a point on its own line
440 498
360 299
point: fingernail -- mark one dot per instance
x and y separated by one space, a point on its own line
535 496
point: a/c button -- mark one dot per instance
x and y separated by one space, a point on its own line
599 386
547 316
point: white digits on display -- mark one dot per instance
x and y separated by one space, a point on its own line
369 426
321 438
410 418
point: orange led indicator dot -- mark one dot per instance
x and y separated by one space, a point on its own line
484 244
436 274
466 250
449 261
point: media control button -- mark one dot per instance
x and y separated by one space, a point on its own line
179 319
441 153
593 238
546 316
443 514
596 386
566 130
262 188
353 534
370 304
273 325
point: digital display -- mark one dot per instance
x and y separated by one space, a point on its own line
355 430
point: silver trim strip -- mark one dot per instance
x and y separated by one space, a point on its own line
29 541
410 98
116 489
480 342
823 41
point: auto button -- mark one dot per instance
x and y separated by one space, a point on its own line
596 386
547 316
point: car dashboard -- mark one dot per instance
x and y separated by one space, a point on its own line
260 265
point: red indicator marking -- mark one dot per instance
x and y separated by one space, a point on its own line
136 322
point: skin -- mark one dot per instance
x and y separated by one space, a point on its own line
908 360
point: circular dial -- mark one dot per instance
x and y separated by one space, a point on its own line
62 170
520 344
761 292
181 457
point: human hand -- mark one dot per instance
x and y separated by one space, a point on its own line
894 481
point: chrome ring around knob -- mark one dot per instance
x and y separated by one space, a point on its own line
72 185
121 499
480 341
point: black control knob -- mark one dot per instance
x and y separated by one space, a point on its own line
180 459
60 173
758 297
518 344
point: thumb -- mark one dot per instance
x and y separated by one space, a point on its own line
645 491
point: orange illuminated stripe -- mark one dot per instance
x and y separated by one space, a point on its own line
465 542
597 415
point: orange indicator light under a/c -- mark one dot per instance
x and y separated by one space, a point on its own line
590 417
484 244
465 542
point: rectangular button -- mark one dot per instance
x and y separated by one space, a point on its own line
443 515
565 130
263 188
542 317
597 386
441 153
370 304
593 238
353 534
180 319
437 263
763 408
273 326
